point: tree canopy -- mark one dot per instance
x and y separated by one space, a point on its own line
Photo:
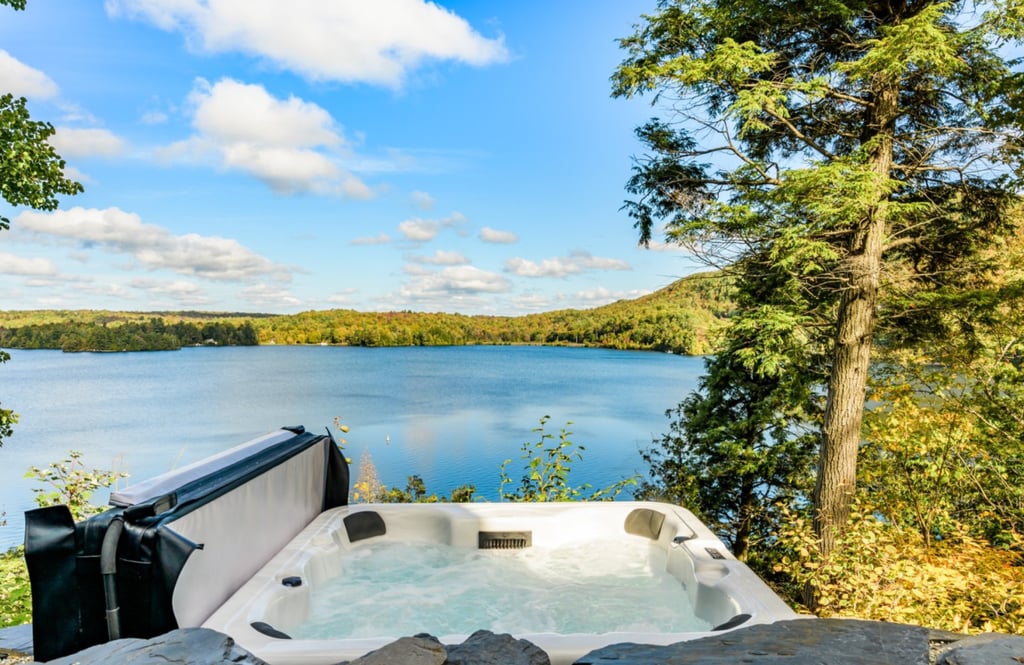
854 157
31 174
31 171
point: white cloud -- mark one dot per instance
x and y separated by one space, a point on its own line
453 281
105 290
71 142
589 262
416 269
546 268
153 118
343 297
487 234
575 263
233 112
289 144
12 264
443 258
269 296
180 291
454 220
177 288
23 81
602 296
381 239
419 230
531 302
377 42
422 200
154 247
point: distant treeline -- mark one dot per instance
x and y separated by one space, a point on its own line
153 334
681 318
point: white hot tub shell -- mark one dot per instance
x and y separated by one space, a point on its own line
211 544
723 591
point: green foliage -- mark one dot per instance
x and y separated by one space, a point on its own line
153 334
883 572
368 487
15 590
71 484
416 492
738 449
546 468
31 171
937 535
8 418
681 318
851 162
942 453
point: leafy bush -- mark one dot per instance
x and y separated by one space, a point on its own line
15 592
546 471
72 484
880 571
416 492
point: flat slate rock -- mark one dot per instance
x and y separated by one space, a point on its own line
16 640
185 646
794 642
992 649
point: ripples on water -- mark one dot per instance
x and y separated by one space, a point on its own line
595 587
449 414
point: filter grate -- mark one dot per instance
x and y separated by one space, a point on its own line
504 540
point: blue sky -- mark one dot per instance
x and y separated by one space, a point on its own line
262 156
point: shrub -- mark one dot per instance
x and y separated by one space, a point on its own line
546 471
72 485
15 592
882 572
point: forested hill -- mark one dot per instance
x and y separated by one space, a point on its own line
679 318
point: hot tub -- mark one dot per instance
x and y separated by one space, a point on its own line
672 565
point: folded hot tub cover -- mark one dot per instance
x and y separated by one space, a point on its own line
69 605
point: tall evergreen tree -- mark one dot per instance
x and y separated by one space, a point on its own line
862 148
742 444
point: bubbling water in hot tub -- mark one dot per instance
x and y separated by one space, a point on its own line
594 587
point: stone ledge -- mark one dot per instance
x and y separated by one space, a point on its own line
796 642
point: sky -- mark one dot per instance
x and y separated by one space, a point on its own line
263 156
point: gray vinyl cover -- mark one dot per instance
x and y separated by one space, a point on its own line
191 538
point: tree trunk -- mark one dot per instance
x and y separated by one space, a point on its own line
855 322
744 519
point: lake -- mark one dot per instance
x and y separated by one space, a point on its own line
450 414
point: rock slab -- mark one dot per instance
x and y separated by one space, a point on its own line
185 646
985 650
794 642
486 648
418 650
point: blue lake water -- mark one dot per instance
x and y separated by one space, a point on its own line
449 414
